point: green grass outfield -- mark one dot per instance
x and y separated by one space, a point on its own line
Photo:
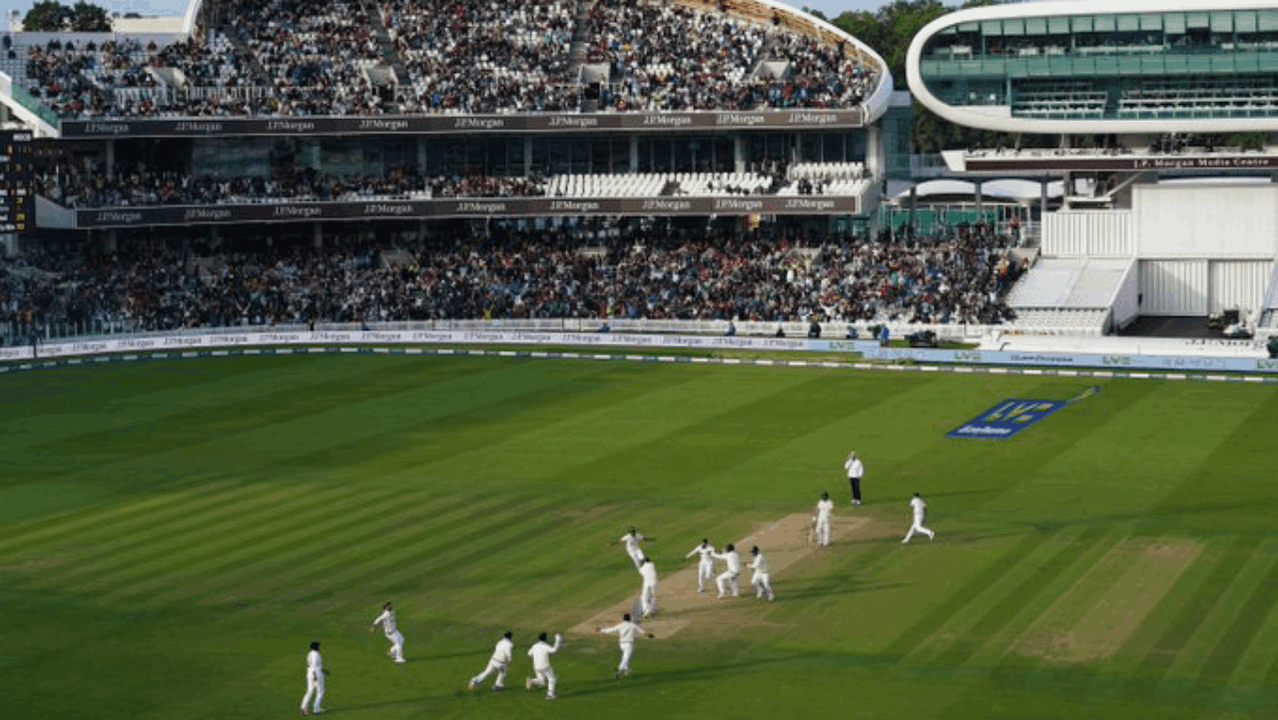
174 533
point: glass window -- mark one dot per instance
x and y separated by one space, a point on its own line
1175 22
1104 23
1058 25
1128 23
1267 21
1222 22
1083 24
1151 22
1245 21
991 27
1035 26
1014 26
1196 21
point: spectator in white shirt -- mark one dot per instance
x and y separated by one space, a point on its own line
731 578
626 632
315 673
705 568
648 594
631 541
856 470
920 513
499 663
824 511
760 581
544 674
387 621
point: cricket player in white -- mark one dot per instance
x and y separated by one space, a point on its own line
731 577
705 570
315 673
631 541
387 621
649 592
626 633
500 661
824 511
920 512
540 652
856 470
760 581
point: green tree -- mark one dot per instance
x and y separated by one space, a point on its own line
86 17
891 28
46 16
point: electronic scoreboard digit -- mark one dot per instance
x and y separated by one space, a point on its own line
17 182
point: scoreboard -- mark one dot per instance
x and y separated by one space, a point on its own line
17 182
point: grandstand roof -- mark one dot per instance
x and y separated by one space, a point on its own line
1087 66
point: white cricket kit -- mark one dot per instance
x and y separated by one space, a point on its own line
626 632
631 541
760 581
705 570
387 621
500 661
855 468
920 512
732 577
649 591
824 511
545 674
314 681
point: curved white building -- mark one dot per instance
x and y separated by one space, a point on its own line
1092 67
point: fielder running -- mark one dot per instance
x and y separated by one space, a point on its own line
631 541
760 581
920 512
540 652
387 621
499 663
824 511
626 632
315 673
649 592
705 570
732 577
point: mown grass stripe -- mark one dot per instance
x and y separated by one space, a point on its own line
1234 643
1144 681
309 547
378 539
527 551
958 600
209 565
942 640
248 558
169 564
104 519
112 555
404 551
1007 608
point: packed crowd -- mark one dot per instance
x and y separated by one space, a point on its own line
668 57
140 187
313 53
346 57
517 274
485 57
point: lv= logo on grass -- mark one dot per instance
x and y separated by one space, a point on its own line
1012 416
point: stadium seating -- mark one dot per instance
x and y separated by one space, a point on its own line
347 57
158 283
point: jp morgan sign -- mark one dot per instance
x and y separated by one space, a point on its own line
464 207
452 124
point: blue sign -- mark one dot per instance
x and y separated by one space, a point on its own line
1006 419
